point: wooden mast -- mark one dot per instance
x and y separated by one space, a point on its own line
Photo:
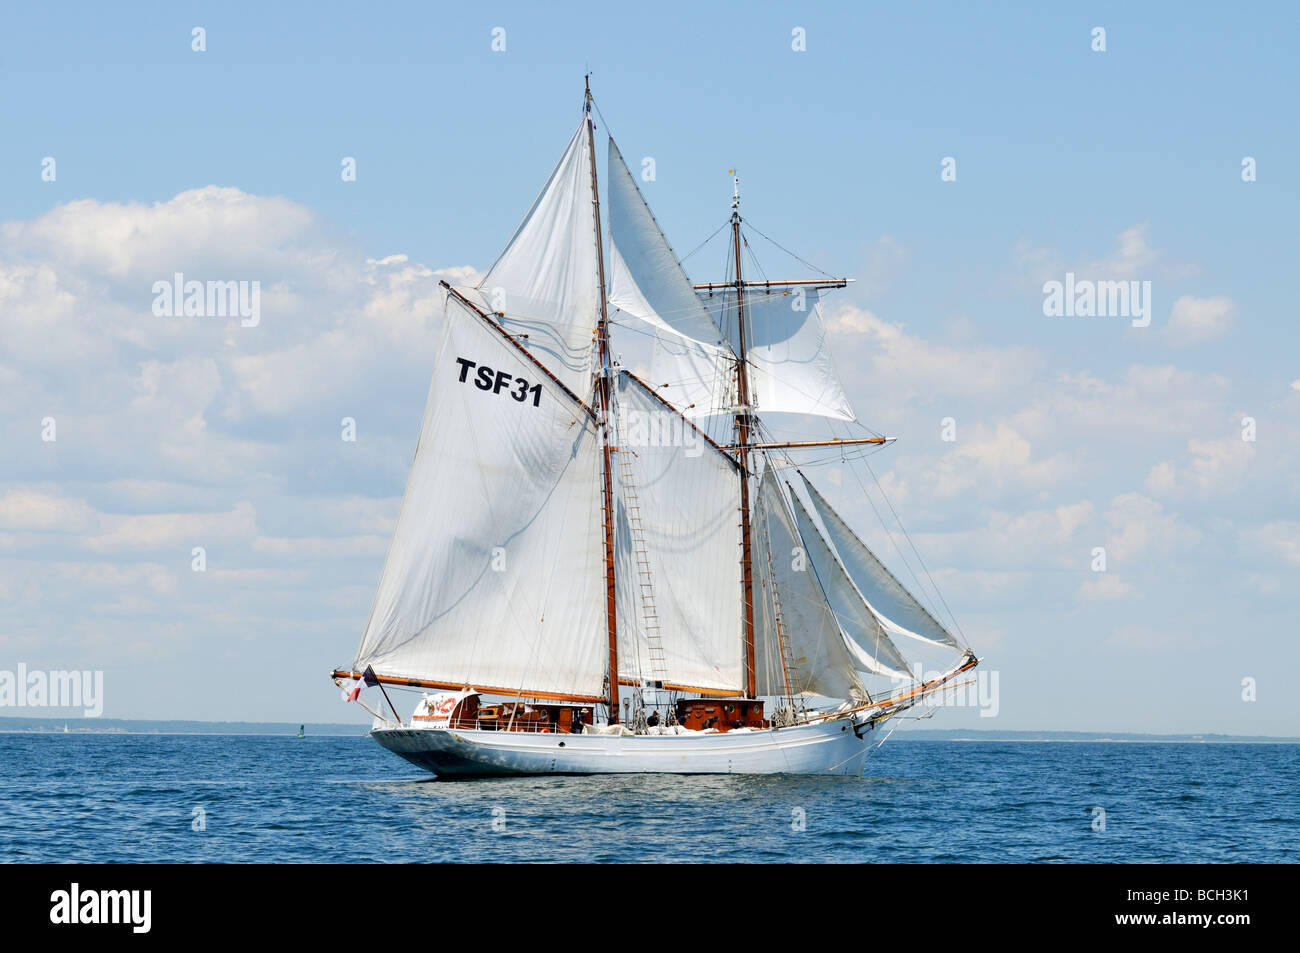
742 447
605 365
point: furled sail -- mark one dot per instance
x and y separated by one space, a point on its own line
678 548
493 578
867 640
785 578
546 282
896 608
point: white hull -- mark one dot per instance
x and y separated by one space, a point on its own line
829 747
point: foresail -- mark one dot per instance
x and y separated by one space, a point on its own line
897 609
867 640
546 282
678 548
493 577
787 581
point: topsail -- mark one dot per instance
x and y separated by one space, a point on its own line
697 334
545 283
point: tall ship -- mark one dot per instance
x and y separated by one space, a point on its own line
596 571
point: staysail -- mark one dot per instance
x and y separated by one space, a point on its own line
897 609
493 576
867 640
545 283
788 586
678 548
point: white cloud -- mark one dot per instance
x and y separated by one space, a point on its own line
1138 526
1133 257
1277 540
1105 587
903 365
1213 467
998 460
1193 320
33 510
178 531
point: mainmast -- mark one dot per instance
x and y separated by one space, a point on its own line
742 448
604 406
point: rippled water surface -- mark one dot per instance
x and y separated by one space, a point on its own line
135 798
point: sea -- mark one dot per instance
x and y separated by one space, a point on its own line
131 798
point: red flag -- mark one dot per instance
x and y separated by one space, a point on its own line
367 679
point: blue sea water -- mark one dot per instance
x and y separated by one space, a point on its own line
136 798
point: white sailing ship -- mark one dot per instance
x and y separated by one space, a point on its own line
593 573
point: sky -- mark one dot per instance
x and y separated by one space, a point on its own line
1170 157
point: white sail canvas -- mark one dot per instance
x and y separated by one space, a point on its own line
494 576
546 281
687 495
820 659
896 608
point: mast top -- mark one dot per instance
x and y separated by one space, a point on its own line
735 194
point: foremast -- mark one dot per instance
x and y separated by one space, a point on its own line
604 408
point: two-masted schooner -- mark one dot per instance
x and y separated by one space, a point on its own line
598 573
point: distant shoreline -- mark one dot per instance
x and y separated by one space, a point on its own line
128 726
137 726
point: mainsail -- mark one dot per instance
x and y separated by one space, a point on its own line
678 554
493 575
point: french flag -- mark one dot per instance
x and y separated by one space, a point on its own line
367 679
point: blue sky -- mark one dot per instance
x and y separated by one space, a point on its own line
1072 432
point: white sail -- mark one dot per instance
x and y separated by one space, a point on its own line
678 549
896 608
788 355
495 573
866 640
696 336
646 279
546 282
790 365
784 576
